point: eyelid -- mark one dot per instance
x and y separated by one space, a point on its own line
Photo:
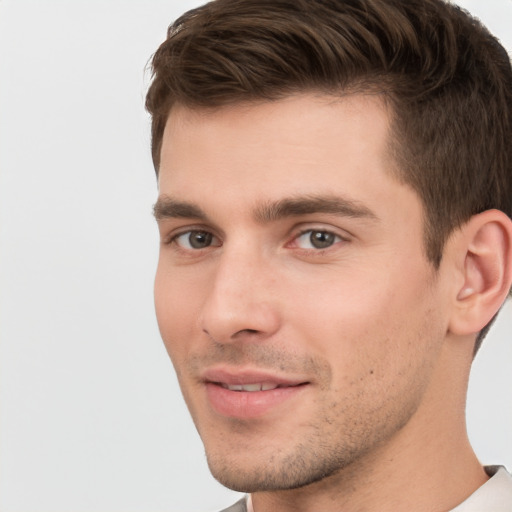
173 234
306 227
300 231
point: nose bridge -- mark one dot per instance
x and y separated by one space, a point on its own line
241 299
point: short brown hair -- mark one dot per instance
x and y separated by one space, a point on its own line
447 78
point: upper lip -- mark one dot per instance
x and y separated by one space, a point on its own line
232 377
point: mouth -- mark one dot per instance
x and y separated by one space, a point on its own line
251 388
248 395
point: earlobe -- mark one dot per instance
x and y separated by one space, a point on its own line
485 243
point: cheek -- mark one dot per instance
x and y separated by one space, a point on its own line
176 311
369 326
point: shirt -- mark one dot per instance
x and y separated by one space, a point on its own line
494 496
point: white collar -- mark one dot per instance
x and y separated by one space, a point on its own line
495 494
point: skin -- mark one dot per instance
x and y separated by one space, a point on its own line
362 322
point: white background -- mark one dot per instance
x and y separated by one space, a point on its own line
91 416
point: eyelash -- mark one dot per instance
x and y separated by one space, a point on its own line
173 239
322 231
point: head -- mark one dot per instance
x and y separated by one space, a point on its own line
438 89
447 80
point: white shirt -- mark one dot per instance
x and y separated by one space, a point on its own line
494 496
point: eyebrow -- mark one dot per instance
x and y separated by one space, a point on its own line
168 208
311 204
271 211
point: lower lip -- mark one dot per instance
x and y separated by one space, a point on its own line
247 405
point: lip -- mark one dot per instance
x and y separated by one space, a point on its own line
249 404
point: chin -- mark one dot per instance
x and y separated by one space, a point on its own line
273 475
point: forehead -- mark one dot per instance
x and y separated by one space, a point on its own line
232 157
296 130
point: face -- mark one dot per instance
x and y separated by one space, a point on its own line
292 292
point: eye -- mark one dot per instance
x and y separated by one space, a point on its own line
196 239
317 239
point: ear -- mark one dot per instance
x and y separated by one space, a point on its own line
484 247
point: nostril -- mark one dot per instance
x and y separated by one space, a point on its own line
245 332
237 334
225 321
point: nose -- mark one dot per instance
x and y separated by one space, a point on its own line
241 303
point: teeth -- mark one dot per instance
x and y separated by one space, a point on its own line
251 387
233 387
261 386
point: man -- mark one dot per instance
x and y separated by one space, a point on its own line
335 202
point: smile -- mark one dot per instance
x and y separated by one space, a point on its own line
262 386
250 395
